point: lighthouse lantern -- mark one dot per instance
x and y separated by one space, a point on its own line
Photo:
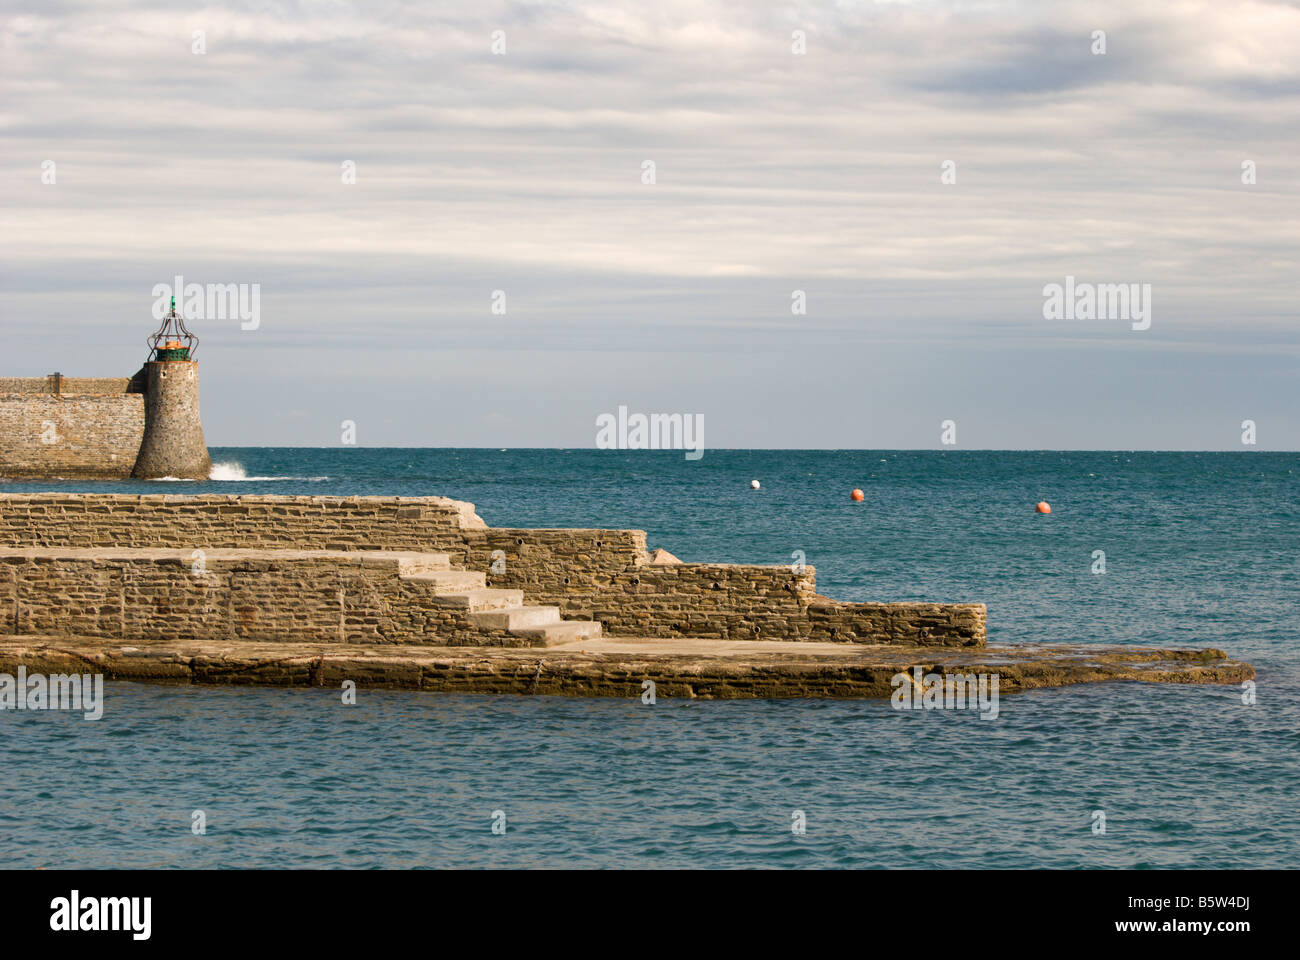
172 341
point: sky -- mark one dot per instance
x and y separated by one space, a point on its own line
920 172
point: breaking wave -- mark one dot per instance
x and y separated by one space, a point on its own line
235 473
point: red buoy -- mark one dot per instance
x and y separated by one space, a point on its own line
858 495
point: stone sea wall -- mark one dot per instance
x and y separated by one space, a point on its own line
215 522
234 596
605 575
65 427
704 669
608 575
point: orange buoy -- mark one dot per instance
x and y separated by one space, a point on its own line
1043 507
858 495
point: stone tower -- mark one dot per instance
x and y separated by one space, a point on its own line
173 433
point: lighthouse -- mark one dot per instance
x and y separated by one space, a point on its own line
173 433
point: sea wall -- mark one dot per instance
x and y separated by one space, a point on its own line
214 521
234 595
604 575
78 428
608 575
60 385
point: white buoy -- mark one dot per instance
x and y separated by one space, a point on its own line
753 484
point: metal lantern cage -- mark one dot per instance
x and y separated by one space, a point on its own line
172 340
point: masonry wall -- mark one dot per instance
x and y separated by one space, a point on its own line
604 575
216 521
77 434
173 443
307 600
58 384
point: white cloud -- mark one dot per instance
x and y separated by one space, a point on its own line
773 170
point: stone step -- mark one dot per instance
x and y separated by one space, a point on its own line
422 563
516 618
481 599
450 581
562 632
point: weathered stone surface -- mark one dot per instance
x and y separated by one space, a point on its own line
316 590
146 426
76 433
284 596
173 444
211 521
599 575
616 668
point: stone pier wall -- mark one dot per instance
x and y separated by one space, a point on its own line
78 428
235 595
104 428
216 522
605 575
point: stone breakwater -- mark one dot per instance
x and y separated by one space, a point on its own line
421 593
704 669
601 576
85 428
145 426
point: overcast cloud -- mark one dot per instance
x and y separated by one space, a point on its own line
775 172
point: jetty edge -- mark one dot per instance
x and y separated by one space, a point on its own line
420 593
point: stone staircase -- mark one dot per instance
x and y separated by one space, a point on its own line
493 608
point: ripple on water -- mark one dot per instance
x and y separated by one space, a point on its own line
1200 550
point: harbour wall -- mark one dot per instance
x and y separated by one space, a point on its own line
75 428
229 596
604 575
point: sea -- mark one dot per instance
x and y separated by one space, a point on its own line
1153 549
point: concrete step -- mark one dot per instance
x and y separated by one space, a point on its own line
516 618
450 581
422 563
562 632
481 599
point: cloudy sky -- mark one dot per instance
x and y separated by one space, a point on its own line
774 171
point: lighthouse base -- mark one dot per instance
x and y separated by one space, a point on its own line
173 445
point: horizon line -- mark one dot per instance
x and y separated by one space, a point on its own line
508 448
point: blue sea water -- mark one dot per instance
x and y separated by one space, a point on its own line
1200 550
